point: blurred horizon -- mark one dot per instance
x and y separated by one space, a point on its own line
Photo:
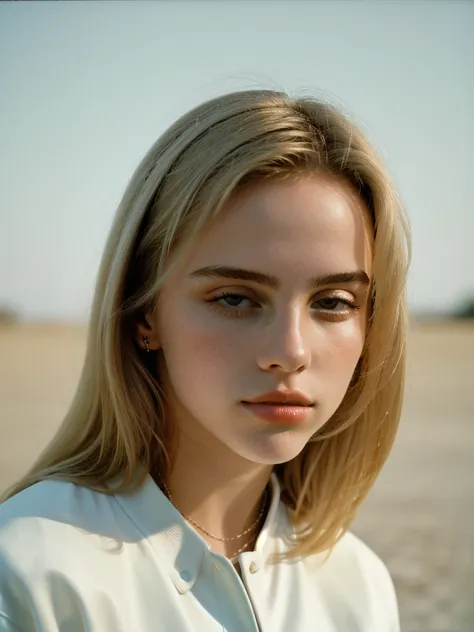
11 317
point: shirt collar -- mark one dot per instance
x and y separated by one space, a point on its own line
177 544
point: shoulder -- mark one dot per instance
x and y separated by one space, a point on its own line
47 505
350 579
44 499
359 558
30 530
364 580
351 562
51 530
42 523
34 511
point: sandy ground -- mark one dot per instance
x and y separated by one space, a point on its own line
419 516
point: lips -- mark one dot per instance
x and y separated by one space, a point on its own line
282 414
285 404
282 407
282 397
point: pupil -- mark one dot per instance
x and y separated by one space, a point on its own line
328 302
233 299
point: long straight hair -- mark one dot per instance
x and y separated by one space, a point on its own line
116 429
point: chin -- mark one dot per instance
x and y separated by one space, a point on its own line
274 450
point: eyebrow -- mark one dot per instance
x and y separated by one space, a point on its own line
241 274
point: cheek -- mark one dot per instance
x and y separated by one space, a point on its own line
343 350
202 369
215 351
197 347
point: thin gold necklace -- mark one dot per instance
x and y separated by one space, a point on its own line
215 537
236 554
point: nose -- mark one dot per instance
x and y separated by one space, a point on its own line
284 346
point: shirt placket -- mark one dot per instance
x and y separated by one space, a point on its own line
252 569
238 598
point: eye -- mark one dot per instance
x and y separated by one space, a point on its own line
233 304
335 308
335 303
230 299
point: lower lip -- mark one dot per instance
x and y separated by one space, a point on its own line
279 413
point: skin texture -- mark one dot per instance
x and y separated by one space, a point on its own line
217 351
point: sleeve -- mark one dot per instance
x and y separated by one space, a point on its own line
6 625
16 611
371 576
385 597
393 622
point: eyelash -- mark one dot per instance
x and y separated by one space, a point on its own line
235 312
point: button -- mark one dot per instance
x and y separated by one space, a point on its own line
185 576
253 568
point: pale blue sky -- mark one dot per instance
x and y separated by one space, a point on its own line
86 88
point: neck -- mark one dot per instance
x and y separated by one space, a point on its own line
218 490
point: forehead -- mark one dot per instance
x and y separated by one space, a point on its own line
313 224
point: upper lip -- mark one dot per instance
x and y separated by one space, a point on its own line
282 397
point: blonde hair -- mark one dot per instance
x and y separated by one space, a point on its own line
116 425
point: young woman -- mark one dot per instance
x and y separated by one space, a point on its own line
241 391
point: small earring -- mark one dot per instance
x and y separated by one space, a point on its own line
145 342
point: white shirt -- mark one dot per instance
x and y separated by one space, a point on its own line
74 560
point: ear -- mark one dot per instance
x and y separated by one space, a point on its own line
146 328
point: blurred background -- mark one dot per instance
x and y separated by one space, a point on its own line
87 87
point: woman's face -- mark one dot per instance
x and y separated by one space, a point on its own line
227 337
